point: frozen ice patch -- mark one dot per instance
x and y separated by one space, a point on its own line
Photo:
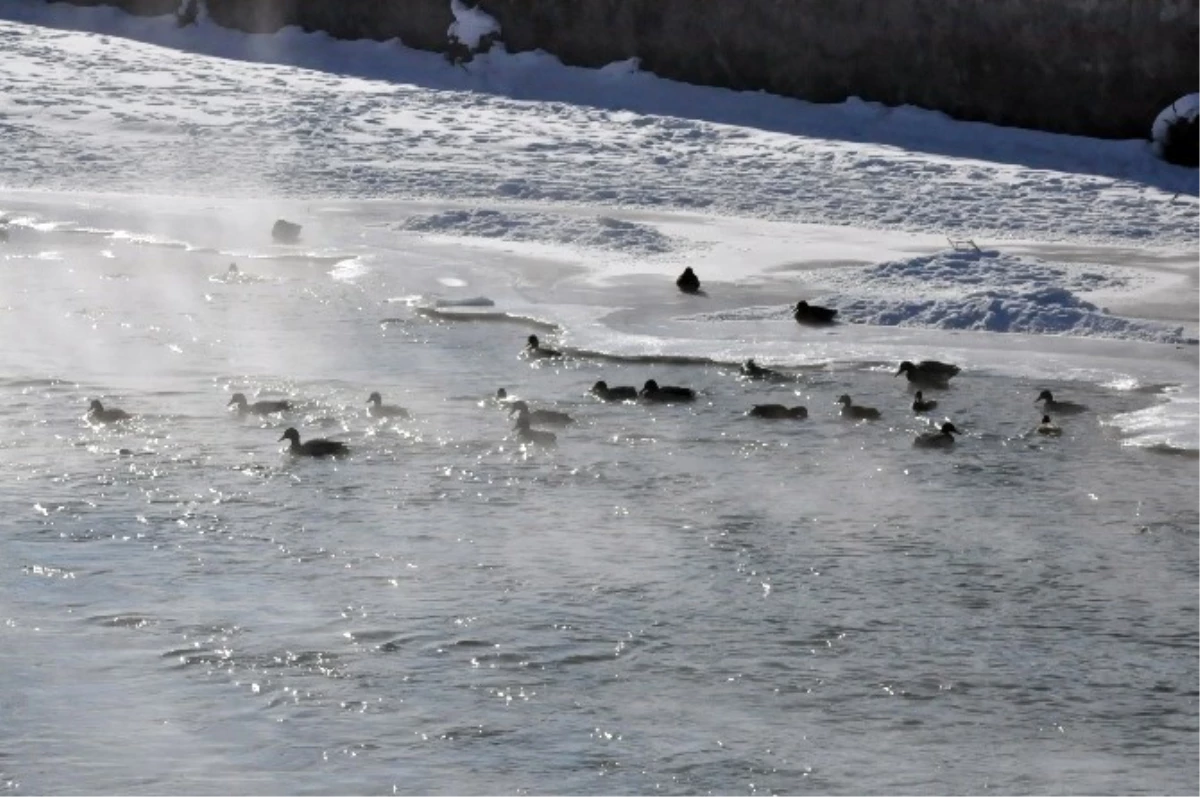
585 232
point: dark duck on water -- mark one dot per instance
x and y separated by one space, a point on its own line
813 315
313 448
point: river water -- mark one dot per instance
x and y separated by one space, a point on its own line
674 599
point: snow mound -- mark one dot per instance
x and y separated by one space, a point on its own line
470 25
599 232
1045 310
956 271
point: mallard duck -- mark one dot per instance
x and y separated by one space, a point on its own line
651 391
1059 407
602 391
921 405
942 438
1048 427
688 282
752 370
806 313
857 412
238 400
541 417
526 434
535 349
777 411
928 372
313 448
97 414
377 409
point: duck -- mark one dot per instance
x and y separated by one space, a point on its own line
752 370
501 394
233 270
942 438
98 414
541 417
313 448
806 313
602 391
1048 427
921 405
777 411
857 412
535 349
928 372
526 434
688 282
258 407
651 391
1060 407
377 409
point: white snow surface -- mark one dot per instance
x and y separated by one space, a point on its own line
621 176
470 25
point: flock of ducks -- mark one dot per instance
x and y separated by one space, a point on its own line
926 373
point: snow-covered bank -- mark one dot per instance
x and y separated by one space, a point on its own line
524 127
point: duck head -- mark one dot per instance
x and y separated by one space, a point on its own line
845 400
238 398
1045 395
501 393
918 396
949 429
95 406
905 366
375 399
650 386
522 422
291 434
532 341
600 387
801 305
1045 419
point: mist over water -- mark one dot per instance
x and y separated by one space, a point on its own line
674 599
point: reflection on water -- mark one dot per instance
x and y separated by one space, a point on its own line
675 599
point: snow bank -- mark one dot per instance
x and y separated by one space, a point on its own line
586 232
956 271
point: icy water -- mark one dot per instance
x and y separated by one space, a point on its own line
675 599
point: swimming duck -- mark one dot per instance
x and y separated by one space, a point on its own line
1048 427
942 438
813 314
777 411
857 412
541 417
666 393
97 414
602 391
377 409
313 448
534 349
930 373
688 282
921 405
528 435
1060 407
752 370
233 270
258 407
